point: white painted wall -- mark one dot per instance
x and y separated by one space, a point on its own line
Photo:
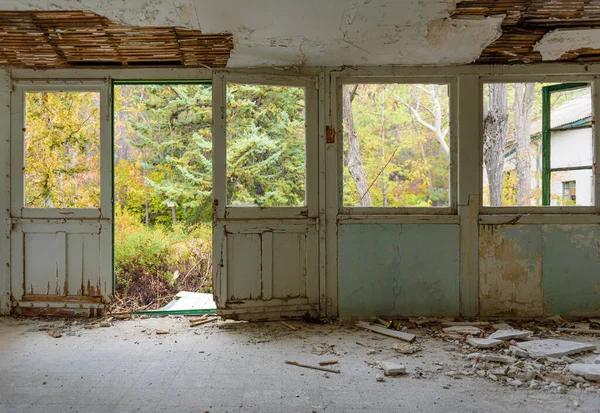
572 148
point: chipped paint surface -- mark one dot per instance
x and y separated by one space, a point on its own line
179 13
534 270
558 42
398 269
510 270
368 32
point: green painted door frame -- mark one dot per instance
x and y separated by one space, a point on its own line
546 132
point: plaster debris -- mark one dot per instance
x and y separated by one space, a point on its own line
557 42
597 361
554 348
379 378
387 332
499 358
589 371
406 348
506 335
462 330
517 352
392 369
501 326
483 342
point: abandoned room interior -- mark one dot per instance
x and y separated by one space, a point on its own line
299 206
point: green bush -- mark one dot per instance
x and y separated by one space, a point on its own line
154 263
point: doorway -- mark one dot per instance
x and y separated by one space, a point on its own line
162 180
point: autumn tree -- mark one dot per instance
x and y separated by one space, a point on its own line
495 127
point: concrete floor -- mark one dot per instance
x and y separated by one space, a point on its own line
239 367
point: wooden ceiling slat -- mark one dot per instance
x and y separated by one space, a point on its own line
62 38
527 22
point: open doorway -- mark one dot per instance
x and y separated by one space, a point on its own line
162 191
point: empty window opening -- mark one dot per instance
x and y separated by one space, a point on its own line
162 191
266 146
62 150
536 137
396 145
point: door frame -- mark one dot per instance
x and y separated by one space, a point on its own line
44 220
278 218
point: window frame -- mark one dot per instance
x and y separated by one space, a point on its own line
20 88
225 211
594 83
452 84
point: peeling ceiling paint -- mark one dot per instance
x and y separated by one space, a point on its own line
558 42
311 32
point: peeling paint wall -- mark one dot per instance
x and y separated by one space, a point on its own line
398 269
558 42
342 32
534 270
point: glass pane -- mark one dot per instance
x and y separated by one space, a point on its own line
266 145
396 145
512 143
62 150
571 147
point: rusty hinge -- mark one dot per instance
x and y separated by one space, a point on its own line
329 134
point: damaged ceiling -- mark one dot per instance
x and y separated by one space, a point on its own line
313 33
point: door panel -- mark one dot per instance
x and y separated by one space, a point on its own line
61 198
265 231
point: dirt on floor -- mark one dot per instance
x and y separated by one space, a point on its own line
440 370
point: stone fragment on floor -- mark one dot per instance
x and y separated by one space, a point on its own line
506 335
588 371
554 348
483 342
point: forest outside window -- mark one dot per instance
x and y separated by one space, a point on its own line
266 145
62 150
396 145
537 138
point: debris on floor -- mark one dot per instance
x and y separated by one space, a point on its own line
554 348
462 330
588 371
387 332
392 369
483 342
506 335
307 366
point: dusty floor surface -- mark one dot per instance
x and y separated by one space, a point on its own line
239 367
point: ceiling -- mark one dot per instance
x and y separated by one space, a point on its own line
366 32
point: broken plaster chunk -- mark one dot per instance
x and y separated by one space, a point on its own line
507 335
554 348
392 369
588 371
483 342
518 352
462 330
597 361
501 326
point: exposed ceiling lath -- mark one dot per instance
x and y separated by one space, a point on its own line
528 21
51 39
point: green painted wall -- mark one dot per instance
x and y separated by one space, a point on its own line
398 269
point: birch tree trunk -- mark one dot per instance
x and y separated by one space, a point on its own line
522 118
495 126
353 159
